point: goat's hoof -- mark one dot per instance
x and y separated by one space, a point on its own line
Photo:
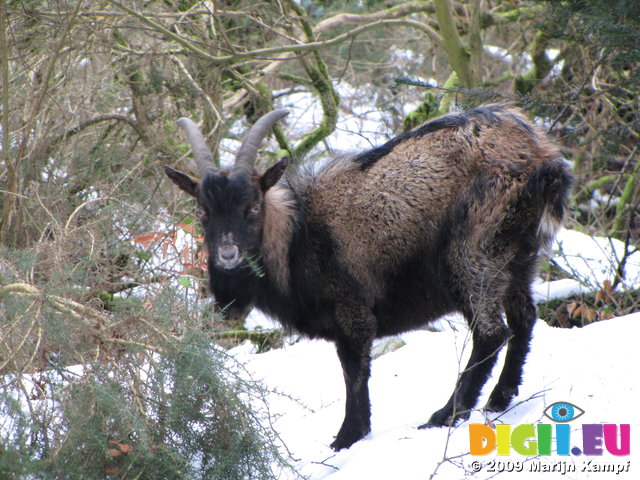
445 418
342 442
346 438
500 399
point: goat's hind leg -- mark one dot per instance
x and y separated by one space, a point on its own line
489 335
521 316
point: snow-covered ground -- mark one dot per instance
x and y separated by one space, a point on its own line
593 368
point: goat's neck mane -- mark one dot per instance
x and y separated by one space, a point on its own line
278 229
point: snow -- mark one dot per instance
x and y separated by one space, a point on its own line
360 126
592 260
414 375
589 367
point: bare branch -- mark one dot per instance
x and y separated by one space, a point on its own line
306 47
168 33
107 117
458 55
271 51
388 14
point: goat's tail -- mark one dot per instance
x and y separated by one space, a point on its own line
551 184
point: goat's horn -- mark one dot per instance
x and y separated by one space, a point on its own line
204 157
248 152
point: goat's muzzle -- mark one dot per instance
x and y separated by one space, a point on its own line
228 255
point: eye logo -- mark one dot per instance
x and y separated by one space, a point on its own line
563 412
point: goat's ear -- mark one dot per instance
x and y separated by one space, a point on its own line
273 174
185 182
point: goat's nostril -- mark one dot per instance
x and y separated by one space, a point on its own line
228 253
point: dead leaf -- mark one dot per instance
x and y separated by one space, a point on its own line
126 448
149 239
599 296
122 447
188 227
114 452
573 309
590 314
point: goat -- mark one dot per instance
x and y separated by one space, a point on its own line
448 217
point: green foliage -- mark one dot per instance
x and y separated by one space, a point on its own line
525 84
153 398
176 417
613 25
427 109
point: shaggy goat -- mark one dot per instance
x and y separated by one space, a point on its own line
448 217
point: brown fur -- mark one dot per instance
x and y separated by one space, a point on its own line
278 218
379 217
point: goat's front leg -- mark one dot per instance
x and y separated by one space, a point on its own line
354 351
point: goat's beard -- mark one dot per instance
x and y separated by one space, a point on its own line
233 290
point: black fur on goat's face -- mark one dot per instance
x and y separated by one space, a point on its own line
231 208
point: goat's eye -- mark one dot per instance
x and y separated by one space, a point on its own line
253 211
201 212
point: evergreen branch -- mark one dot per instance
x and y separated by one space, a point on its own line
63 305
83 314
254 265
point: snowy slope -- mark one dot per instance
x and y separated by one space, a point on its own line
593 368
